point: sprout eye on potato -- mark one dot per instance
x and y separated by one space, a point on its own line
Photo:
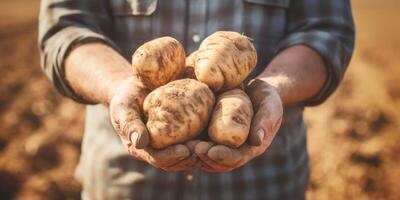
179 110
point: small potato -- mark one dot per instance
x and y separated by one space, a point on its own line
159 61
231 119
224 59
188 72
177 112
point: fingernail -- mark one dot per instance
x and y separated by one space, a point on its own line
219 153
182 152
202 148
134 137
260 134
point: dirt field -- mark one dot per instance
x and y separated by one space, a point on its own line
353 139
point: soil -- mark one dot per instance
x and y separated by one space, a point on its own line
353 137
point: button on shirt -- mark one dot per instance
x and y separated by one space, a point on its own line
108 172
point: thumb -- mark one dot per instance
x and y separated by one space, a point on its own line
257 133
225 155
256 137
129 125
139 136
268 104
266 123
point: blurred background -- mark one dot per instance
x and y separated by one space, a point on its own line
354 138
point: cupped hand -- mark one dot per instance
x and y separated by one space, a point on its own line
175 158
268 109
126 117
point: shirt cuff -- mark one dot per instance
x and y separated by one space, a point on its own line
56 50
332 53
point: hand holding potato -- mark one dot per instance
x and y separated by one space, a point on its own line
265 124
126 113
126 116
178 110
174 158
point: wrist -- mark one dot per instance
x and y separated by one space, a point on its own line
125 85
297 72
95 72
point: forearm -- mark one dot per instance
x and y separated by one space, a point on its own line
95 70
298 73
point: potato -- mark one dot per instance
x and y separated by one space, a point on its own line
159 61
177 112
188 72
231 119
224 59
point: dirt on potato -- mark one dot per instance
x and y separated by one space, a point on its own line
353 137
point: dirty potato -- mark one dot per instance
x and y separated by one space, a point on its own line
158 61
177 112
224 59
231 119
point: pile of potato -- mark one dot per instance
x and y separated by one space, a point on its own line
182 99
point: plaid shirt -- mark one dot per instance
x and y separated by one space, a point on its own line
105 169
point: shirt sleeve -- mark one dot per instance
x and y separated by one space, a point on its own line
63 24
327 27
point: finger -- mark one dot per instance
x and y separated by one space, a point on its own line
224 155
168 156
184 165
257 132
133 125
201 150
257 90
129 125
202 147
206 167
266 121
188 163
139 134
192 144
211 166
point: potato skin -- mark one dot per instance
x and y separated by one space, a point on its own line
177 112
224 60
159 61
188 72
231 119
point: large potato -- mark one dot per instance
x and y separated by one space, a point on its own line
224 59
231 119
177 112
159 61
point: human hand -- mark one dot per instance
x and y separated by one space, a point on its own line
126 116
179 157
265 124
